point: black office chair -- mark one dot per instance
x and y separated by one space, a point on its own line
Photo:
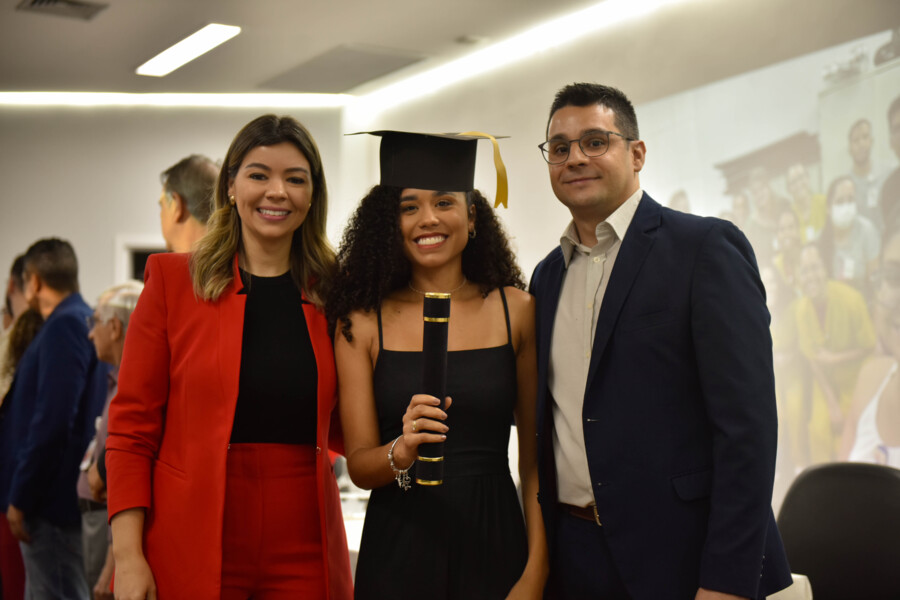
840 524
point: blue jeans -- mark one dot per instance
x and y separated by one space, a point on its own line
54 568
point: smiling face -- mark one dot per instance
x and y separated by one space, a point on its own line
788 232
434 225
812 275
861 142
593 187
798 184
272 190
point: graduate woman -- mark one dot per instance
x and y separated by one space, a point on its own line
425 229
219 480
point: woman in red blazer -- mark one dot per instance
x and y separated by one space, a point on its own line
220 485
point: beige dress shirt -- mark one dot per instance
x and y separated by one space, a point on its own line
584 283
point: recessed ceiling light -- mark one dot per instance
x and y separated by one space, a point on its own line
188 49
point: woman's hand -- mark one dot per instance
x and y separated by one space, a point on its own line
134 580
423 423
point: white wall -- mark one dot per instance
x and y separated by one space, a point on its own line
87 175
686 132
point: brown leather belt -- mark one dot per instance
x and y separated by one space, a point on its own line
588 513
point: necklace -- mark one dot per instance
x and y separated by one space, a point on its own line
464 282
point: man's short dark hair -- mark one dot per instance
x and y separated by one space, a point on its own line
53 260
893 109
17 273
194 179
586 94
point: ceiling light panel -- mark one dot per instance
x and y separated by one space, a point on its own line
188 49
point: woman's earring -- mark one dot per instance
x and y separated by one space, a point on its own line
231 200
472 234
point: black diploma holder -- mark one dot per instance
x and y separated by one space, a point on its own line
436 313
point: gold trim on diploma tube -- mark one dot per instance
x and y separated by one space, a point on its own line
436 295
427 482
437 319
431 458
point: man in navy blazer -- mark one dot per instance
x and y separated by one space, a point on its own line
58 391
656 405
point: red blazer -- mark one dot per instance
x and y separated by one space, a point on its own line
170 424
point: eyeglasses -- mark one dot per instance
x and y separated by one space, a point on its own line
592 144
93 321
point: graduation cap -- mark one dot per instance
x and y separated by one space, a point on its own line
435 161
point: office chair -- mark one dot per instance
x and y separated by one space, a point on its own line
840 524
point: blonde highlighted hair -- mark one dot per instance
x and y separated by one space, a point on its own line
312 257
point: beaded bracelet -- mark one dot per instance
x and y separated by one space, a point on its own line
401 475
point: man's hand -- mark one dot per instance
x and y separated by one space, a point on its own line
96 483
16 520
703 594
102 588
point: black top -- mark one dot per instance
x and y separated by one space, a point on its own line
277 391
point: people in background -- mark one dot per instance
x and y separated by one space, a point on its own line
872 429
850 242
767 208
186 201
788 377
811 209
20 325
14 304
867 178
425 229
787 259
108 325
889 199
656 427
835 335
58 391
219 479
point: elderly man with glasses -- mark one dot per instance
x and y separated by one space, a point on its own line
106 329
656 399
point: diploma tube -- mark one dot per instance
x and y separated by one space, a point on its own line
436 312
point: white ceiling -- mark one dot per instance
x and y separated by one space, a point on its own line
41 52
697 42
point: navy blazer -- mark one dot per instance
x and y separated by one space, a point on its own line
679 410
59 389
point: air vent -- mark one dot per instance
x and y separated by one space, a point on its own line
63 8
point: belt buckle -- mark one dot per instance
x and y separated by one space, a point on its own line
596 515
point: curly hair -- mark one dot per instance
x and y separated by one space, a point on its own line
371 263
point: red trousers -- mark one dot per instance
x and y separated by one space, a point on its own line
272 537
12 570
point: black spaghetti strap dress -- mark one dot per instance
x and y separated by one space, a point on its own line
464 539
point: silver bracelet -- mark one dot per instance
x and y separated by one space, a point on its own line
401 475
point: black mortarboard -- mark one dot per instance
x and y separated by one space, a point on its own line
435 161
